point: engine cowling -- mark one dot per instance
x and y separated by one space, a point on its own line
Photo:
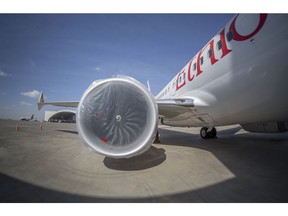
117 117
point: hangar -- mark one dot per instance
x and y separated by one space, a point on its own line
67 116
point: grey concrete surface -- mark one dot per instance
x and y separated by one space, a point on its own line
51 165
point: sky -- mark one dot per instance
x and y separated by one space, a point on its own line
62 54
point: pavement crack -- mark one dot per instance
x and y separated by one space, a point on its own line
148 189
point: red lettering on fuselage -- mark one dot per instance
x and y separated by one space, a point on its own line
224 48
213 60
179 84
190 78
238 37
199 71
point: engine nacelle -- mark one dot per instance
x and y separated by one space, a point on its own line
117 117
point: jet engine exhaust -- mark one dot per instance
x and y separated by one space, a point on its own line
117 117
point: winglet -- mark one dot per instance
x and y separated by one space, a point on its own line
41 101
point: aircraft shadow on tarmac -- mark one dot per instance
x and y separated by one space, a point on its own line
68 131
259 163
153 157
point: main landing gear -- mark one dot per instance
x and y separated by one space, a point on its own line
205 133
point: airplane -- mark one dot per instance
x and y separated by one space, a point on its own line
27 118
239 77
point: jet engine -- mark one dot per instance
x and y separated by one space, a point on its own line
117 117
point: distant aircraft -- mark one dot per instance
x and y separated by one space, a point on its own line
27 118
239 77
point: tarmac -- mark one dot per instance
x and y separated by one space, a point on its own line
46 162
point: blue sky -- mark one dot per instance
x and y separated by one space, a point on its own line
62 54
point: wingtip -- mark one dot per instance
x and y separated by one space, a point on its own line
41 101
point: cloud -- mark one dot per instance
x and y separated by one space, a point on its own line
25 103
3 74
97 68
32 94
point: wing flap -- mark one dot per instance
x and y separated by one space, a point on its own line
171 108
192 110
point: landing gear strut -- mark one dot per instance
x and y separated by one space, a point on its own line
157 137
206 134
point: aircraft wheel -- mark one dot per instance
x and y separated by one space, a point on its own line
213 133
204 133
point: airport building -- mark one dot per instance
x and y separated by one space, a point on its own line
67 116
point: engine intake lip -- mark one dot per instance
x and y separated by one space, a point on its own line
117 117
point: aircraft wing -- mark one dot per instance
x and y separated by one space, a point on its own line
170 108
175 110
41 103
192 110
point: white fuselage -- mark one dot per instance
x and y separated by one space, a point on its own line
240 80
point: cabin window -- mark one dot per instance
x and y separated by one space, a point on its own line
219 45
194 66
209 54
201 60
229 36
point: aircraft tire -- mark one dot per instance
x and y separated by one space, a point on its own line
204 133
213 133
